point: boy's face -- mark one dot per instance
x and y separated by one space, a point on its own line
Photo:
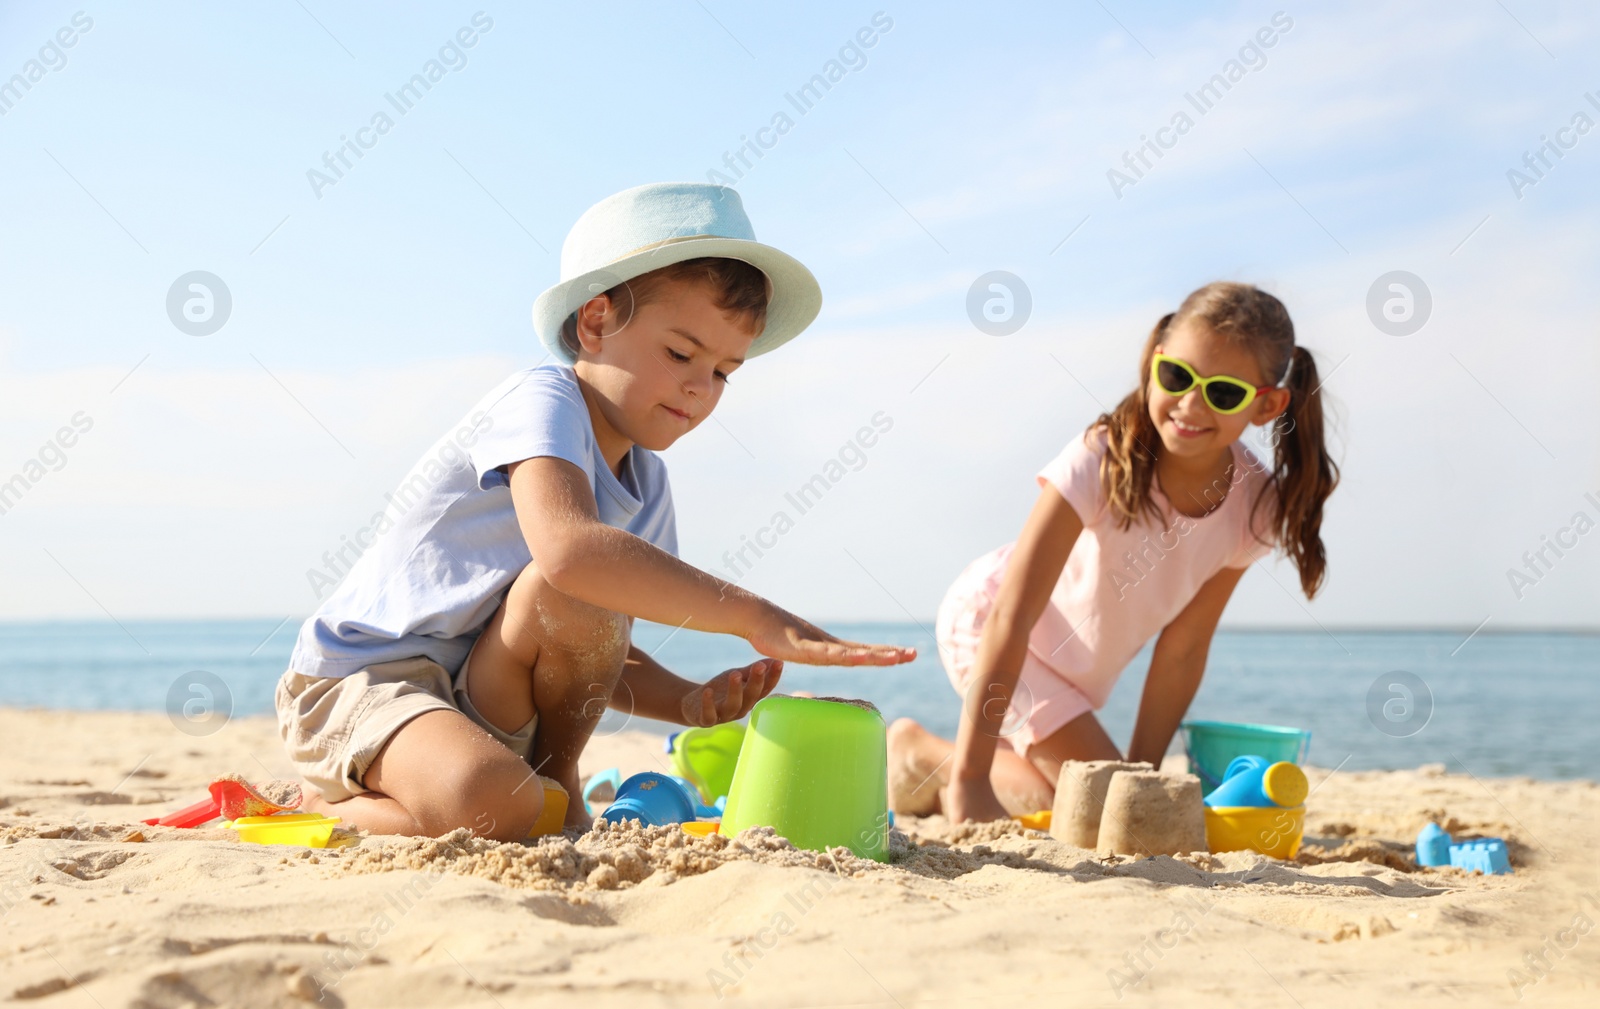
660 373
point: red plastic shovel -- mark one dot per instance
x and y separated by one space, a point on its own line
232 797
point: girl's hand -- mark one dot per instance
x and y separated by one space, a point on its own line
731 695
785 636
971 799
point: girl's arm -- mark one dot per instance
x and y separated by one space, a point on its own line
1035 566
1176 666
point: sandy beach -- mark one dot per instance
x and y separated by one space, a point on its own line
101 910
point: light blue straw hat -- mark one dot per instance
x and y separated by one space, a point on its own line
651 226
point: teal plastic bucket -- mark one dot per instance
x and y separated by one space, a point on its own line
1211 746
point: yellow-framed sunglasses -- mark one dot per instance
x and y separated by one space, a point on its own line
1222 393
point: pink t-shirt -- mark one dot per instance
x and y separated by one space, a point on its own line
1121 586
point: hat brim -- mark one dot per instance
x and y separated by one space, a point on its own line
796 295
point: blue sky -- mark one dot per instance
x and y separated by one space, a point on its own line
367 317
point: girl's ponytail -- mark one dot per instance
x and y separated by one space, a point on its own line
1304 473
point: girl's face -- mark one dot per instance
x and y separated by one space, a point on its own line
1186 422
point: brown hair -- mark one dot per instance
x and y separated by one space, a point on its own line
1303 474
736 287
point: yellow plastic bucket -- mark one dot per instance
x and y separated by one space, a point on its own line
1274 832
554 813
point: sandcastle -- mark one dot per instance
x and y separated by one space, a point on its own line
1124 808
1081 799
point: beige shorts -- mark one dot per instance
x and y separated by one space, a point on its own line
334 726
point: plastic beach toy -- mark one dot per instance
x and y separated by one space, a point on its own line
700 808
1260 806
554 813
700 828
653 799
602 785
1433 846
1036 821
816 771
233 797
1254 781
1213 745
706 757
1272 831
311 830
1488 855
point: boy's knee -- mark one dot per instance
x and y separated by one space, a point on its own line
500 802
568 624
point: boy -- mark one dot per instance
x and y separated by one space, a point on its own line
482 637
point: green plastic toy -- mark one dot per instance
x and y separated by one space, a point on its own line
817 771
706 757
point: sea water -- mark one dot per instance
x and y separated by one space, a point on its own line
1492 704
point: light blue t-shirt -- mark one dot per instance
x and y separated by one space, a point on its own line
436 573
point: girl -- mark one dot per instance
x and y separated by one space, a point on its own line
1144 524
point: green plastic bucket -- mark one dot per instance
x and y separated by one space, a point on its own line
707 756
1211 746
817 772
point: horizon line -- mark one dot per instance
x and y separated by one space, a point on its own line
927 623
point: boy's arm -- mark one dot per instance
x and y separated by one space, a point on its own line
1176 666
618 571
649 690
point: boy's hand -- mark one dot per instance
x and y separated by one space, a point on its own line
731 695
785 636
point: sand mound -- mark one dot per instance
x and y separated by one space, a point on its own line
609 857
624 855
960 914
